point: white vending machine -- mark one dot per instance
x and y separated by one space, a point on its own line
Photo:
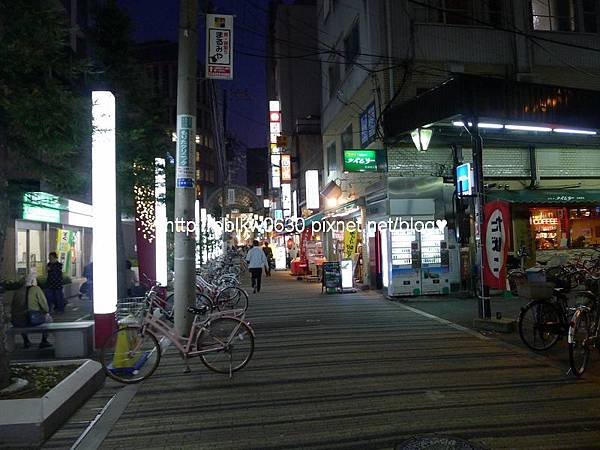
435 259
405 260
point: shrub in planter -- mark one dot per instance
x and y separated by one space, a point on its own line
12 284
42 281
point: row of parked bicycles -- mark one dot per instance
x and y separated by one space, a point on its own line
218 332
569 309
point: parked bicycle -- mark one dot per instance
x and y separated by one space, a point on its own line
544 321
584 332
131 354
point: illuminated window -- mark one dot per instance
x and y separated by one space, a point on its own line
553 15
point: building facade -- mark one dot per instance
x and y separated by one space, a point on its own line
396 57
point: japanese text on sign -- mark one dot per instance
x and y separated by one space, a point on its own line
219 46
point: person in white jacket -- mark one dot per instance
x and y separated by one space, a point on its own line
256 261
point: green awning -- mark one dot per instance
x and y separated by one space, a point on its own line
566 196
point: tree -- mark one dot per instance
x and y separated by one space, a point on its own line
43 121
140 135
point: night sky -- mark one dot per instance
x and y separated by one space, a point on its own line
158 19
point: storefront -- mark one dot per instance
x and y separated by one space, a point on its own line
553 223
47 223
334 235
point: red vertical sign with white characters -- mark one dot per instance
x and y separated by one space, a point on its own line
496 228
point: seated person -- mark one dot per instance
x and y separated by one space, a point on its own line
29 298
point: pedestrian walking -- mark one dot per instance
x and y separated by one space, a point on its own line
269 255
29 307
256 260
54 288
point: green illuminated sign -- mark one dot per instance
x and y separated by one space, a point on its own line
360 161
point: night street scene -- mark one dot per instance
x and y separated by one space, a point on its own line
300 224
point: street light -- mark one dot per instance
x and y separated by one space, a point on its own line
421 138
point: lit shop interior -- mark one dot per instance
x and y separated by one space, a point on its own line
47 223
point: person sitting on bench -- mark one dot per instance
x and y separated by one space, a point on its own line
27 299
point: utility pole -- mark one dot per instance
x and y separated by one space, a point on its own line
484 294
185 176
225 198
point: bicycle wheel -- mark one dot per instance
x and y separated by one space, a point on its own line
579 350
540 325
231 297
130 356
204 300
515 278
231 342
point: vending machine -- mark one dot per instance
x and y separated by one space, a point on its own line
435 261
405 260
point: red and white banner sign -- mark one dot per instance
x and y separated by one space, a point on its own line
219 47
496 235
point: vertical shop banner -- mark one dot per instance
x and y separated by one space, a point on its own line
185 159
350 241
219 47
496 234
65 240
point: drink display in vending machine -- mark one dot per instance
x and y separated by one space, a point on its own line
435 258
405 263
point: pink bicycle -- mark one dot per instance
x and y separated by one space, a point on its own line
223 343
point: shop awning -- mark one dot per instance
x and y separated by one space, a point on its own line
504 100
339 211
547 196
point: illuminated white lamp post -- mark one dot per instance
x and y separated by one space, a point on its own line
160 192
104 195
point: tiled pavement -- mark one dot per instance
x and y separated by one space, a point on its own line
354 371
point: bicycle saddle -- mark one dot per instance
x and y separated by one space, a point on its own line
198 310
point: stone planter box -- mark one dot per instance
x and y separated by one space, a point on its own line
29 422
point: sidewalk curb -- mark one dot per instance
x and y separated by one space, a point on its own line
445 322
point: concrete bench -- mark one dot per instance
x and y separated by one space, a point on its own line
72 339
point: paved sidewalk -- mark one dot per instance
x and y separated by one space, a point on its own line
355 371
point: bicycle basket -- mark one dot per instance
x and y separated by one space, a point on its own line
593 285
531 290
131 309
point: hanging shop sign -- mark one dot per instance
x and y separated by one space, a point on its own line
496 225
275 171
364 160
219 47
286 199
286 168
464 180
282 141
312 189
350 241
